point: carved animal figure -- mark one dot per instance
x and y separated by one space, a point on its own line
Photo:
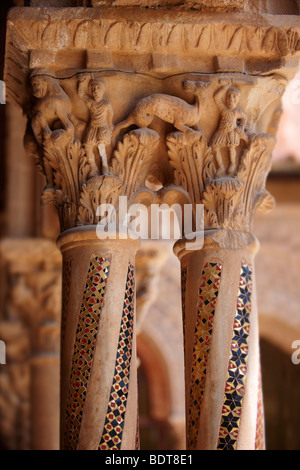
172 109
52 117
52 108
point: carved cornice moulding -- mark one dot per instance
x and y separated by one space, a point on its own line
155 42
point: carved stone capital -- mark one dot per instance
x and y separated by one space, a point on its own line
104 124
201 135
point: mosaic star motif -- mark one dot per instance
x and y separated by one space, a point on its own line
85 341
208 293
260 431
114 422
237 367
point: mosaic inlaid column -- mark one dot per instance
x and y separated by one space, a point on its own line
98 365
221 347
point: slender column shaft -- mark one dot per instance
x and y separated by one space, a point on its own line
221 347
44 386
98 361
44 399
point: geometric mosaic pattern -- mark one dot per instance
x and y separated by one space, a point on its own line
237 368
114 422
183 292
85 341
260 427
208 294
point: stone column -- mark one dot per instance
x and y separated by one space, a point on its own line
226 175
98 346
44 390
221 346
223 410
98 367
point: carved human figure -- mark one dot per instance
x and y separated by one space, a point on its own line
231 126
184 116
100 126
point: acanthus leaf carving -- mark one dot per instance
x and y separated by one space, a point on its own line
134 156
97 191
70 169
127 173
191 159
